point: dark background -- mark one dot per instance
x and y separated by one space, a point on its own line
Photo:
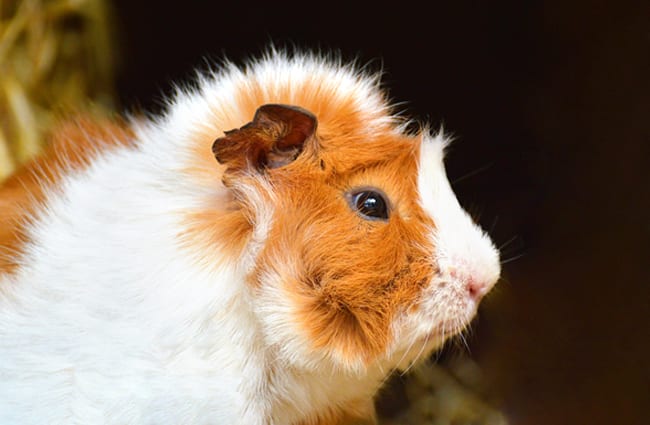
549 103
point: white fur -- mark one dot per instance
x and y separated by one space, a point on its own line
464 253
110 319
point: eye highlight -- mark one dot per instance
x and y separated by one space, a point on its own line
369 203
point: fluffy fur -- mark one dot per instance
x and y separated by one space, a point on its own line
143 281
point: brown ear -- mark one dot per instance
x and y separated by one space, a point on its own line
274 138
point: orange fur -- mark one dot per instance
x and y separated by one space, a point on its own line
227 223
71 146
345 303
355 275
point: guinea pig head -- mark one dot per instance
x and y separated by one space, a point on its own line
361 253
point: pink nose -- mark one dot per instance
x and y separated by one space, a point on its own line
477 288
476 284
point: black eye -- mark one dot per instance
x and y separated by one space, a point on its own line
370 204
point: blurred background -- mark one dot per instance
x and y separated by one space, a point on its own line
549 105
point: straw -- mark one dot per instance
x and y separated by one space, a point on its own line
55 57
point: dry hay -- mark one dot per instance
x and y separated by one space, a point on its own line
55 56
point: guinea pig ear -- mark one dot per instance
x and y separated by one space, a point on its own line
274 138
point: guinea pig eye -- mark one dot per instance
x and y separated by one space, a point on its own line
370 204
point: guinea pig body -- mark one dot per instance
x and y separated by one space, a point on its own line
150 274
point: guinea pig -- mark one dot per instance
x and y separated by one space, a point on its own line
266 251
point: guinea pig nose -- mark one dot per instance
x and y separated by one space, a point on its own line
477 288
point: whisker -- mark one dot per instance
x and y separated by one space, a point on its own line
516 257
494 224
403 372
410 366
408 350
386 378
508 242
458 345
473 173
464 335
381 369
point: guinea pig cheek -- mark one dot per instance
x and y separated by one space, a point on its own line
351 309
325 298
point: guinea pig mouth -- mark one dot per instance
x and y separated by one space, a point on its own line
421 346
457 321
439 335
